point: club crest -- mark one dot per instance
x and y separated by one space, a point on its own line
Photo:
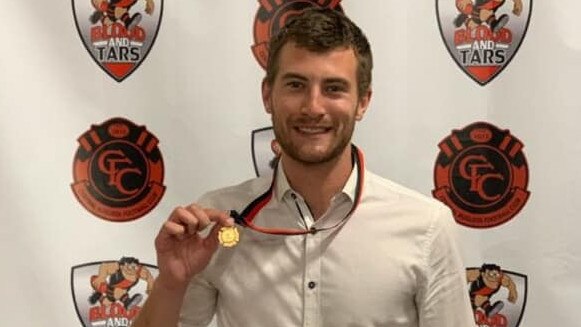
118 34
498 296
118 171
111 293
483 36
481 173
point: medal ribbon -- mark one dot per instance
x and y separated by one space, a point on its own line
247 216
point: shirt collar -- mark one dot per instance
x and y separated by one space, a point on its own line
282 186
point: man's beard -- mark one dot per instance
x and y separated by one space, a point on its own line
335 149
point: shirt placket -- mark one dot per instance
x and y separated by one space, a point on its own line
312 283
312 270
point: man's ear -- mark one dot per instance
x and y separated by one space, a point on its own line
266 94
363 104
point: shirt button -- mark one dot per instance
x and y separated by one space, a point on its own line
312 284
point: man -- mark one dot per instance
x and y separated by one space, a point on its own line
325 243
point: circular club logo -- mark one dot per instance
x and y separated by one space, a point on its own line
272 15
481 173
118 171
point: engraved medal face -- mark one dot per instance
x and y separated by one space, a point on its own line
228 236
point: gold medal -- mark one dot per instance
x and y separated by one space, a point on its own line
228 236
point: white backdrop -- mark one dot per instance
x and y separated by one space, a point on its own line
198 93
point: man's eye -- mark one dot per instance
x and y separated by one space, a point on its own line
294 84
334 88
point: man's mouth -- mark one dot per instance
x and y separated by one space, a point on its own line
312 130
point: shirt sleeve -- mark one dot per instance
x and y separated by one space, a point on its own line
199 304
442 299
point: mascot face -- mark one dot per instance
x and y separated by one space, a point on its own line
491 278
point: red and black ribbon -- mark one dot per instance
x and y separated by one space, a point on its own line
247 216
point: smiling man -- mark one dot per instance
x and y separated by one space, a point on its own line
324 242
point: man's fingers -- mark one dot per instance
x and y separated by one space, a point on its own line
200 214
221 217
195 218
169 230
174 229
187 219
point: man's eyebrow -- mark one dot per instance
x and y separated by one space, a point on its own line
293 76
326 80
338 80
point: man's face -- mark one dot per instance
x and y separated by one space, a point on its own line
314 103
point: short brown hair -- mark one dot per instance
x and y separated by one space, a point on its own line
321 30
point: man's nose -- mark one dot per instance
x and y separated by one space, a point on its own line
313 103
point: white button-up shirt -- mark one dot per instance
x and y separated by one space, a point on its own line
393 263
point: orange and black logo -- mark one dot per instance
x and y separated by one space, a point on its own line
118 171
111 293
481 173
118 34
483 36
498 296
272 15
